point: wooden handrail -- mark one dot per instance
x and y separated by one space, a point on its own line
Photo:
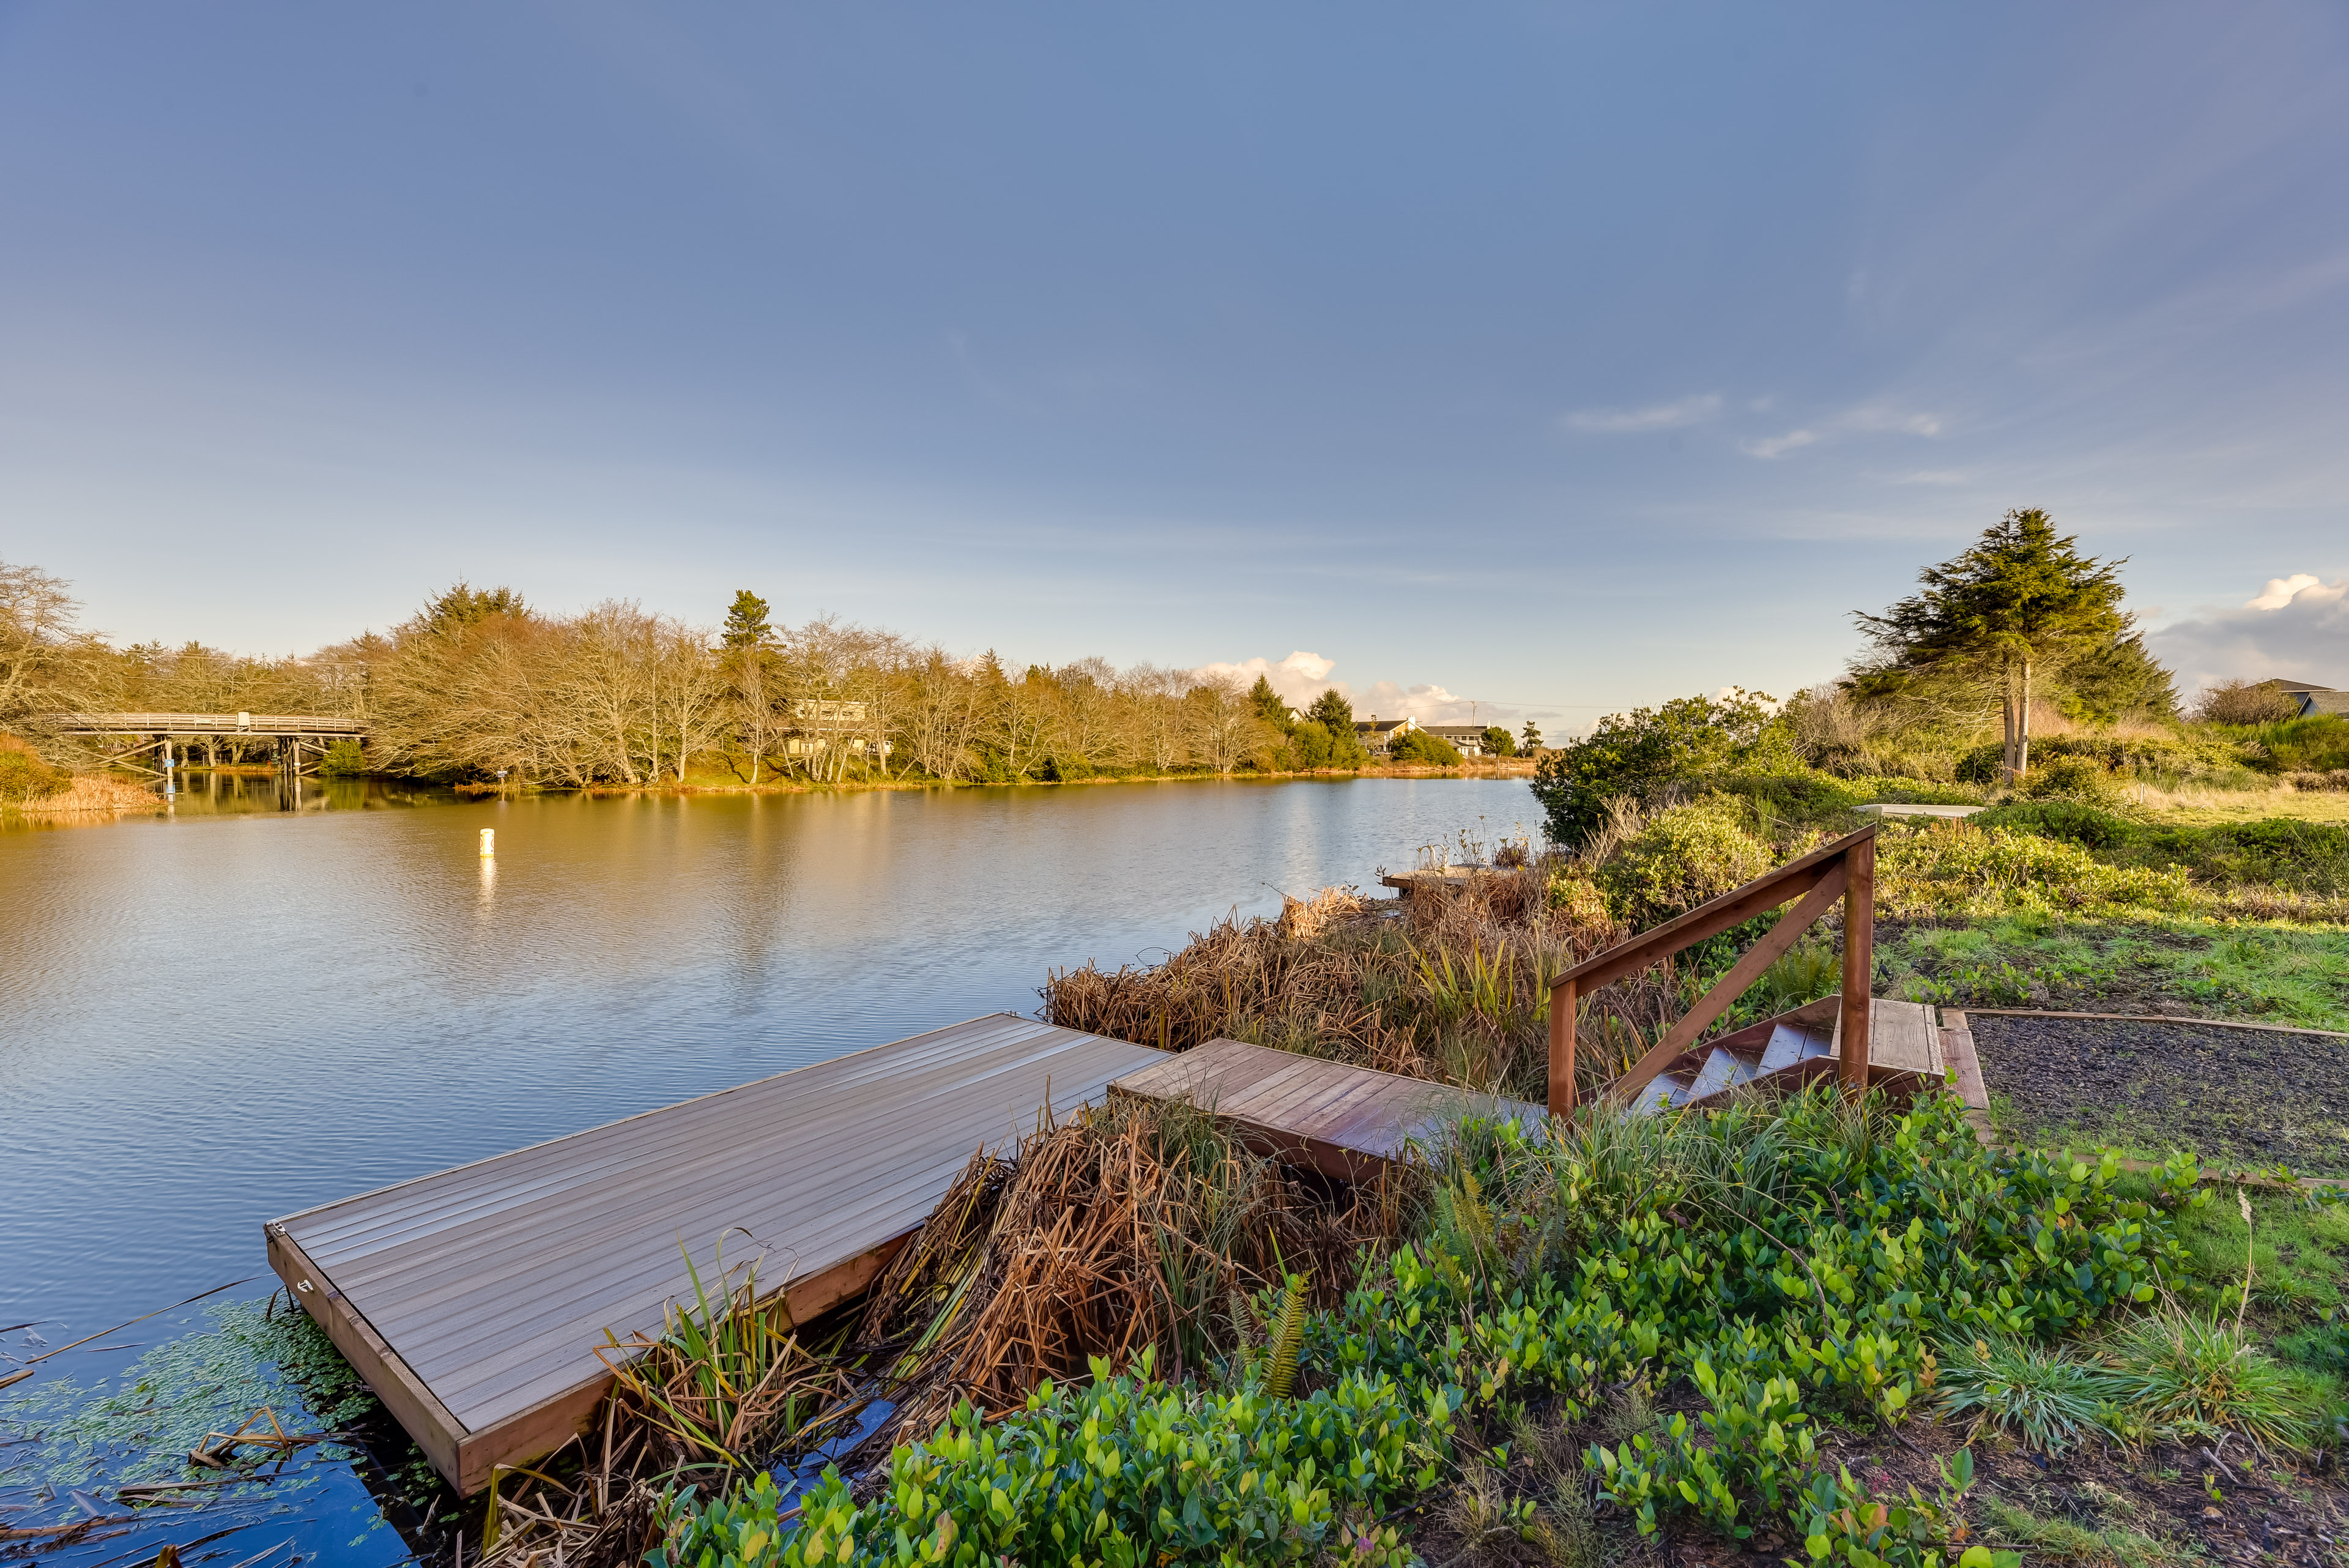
1844 869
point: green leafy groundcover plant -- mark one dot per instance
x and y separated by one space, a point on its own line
1796 1264
1121 1472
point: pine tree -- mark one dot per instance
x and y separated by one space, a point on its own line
746 621
1269 705
2020 600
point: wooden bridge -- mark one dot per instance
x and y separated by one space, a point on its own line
297 738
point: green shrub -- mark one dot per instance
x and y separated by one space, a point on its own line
2071 778
2317 743
344 759
1682 857
1638 752
2202 755
1125 1471
1958 868
1794 1263
1419 746
25 777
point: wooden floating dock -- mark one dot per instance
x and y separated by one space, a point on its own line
1342 1121
473 1301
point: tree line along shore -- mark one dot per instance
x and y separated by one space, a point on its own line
481 687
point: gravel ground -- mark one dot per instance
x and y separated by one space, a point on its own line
2235 1096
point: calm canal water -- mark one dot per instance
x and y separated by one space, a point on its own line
213 1020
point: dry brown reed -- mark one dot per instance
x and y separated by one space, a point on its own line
91 794
1137 1225
1134 1227
1450 985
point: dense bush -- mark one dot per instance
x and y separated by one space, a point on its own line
1636 754
2245 702
2160 753
2071 778
1681 858
1959 869
1419 746
25 777
1125 1471
344 759
2276 851
2315 745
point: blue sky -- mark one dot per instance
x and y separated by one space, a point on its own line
1559 358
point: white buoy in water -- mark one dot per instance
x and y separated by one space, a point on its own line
488 842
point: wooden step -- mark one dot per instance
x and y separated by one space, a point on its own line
1790 1043
1722 1070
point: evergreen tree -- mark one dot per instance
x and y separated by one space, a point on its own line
746 622
1269 705
1335 714
1332 712
1531 740
464 606
2022 603
1498 741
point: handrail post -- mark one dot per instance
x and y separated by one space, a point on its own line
1858 962
1561 1048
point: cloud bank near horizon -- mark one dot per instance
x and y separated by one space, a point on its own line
2295 627
1302 676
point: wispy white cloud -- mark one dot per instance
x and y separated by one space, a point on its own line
1878 417
1654 417
1772 447
2296 627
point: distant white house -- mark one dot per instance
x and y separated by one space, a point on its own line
825 724
1468 740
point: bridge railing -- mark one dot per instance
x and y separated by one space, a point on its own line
262 724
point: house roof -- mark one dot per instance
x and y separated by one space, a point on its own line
1380 726
2323 699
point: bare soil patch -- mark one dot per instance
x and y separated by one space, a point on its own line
2234 1096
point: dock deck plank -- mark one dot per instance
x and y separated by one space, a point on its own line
478 1295
1345 1121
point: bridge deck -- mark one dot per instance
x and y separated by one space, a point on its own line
473 1301
261 726
1343 1121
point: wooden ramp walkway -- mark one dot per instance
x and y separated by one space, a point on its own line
1343 1121
473 1301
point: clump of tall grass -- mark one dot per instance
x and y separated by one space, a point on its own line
2049 1396
2200 1375
727 1382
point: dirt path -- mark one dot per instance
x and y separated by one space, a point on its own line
2236 1097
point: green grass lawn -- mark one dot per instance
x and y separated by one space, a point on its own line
2271 973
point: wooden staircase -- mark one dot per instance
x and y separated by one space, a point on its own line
1905 1055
